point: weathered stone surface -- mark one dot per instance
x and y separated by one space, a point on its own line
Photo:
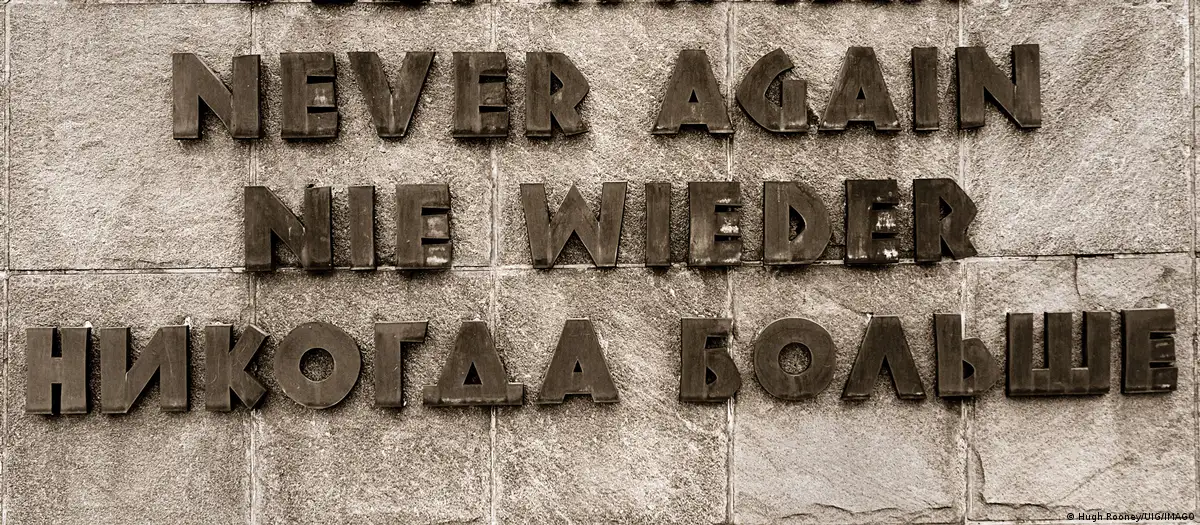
648 458
628 77
96 179
355 463
816 35
426 155
1107 172
827 460
145 467
1040 458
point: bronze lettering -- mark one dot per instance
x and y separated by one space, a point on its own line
769 346
423 227
308 337
362 227
480 100
871 222
1059 377
884 345
715 234
546 103
925 89
860 94
600 235
978 75
783 201
658 224
166 355
707 372
391 109
268 218
309 96
693 98
225 368
194 83
964 366
577 367
935 232
473 374
789 117
66 373
389 363
1148 351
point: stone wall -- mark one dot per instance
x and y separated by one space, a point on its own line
111 222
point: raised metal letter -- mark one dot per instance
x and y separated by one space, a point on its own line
225 370
769 345
68 372
658 224
166 355
347 361
391 109
693 98
925 89
1059 377
423 226
389 369
780 201
931 229
545 102
1148 353
362 227
193 82
871 222
311 240
473 374
715 234
860 94
964 366
884 345
792 116
600 235
707 372
480 101
309 99
1020 100
578 367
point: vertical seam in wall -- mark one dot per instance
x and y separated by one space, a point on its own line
731 405
252 415
1190 86
967 409
7 137
494 263
7 257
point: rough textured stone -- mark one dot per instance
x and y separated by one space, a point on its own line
359 156
1040 458
628 77
827 460
144 467
648 458
97 181
816 36
1107 172
355 463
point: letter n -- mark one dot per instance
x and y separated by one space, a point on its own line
194 83
1020 99
267 217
